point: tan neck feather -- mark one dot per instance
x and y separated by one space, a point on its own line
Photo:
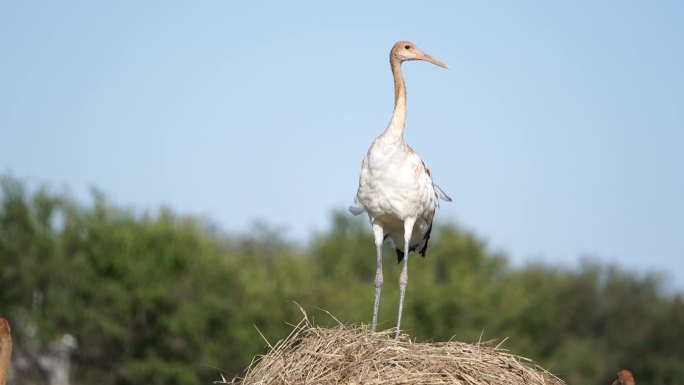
395 129
5 350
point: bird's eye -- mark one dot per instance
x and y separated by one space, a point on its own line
407 47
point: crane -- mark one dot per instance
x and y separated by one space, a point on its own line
395 186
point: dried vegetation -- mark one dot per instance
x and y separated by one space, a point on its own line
354 355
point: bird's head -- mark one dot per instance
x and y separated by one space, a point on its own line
625 377
405 50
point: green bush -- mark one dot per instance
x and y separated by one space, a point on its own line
158 298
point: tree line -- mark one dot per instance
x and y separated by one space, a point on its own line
162 298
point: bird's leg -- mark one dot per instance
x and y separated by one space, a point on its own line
378 233
403 278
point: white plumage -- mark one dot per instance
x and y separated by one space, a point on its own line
395 185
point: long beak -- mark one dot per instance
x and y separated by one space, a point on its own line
434 61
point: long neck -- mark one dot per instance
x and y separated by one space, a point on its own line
395 129
5 350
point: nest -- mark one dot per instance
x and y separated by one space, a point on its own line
354 355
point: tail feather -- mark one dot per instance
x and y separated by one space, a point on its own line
356 209
441 194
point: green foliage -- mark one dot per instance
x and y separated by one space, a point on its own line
156 298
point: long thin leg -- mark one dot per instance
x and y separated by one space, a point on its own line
378 233
403 278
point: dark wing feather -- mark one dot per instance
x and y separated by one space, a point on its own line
423 250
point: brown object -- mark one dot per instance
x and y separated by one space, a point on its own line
5 349
356 355
624 377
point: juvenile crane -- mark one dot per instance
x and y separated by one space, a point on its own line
395 185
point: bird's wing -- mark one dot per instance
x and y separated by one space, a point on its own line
356 208
440 193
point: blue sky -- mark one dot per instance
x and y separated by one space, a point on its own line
558 130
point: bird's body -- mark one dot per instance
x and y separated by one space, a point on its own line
395 186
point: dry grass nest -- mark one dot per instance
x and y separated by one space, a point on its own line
355 355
